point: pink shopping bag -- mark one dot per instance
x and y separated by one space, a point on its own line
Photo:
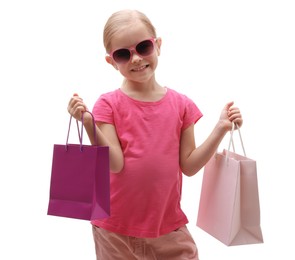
80 180
229 208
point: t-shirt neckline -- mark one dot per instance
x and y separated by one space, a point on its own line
148 103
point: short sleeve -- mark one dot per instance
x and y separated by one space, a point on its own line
102 109
191 114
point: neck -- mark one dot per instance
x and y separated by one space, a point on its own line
147 91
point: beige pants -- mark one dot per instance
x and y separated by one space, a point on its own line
177 245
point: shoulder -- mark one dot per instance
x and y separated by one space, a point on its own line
180 97
109 95
186 105
105 106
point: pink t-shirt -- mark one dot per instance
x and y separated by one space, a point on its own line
146 194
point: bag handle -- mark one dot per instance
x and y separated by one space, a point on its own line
231 141
80 135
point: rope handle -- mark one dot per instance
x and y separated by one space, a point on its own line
80 133
231 141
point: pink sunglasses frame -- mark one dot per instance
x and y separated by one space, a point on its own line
132 49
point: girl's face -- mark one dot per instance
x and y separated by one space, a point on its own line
138 68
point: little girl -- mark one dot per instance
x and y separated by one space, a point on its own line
149 129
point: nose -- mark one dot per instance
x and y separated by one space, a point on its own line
135 57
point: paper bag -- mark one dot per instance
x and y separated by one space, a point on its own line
229 208
80 180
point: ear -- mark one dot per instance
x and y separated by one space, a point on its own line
158 45
109 60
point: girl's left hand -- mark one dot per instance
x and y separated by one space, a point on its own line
229 115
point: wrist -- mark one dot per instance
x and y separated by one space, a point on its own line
222 127
87 118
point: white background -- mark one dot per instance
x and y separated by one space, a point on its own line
212 51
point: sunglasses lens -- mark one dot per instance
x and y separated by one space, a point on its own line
145 48
121 56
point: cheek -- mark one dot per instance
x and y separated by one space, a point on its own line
154 61
155 64
123 70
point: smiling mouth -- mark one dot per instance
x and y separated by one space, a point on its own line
140 68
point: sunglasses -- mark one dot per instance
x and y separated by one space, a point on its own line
144 48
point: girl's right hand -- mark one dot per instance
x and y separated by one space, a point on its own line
76 107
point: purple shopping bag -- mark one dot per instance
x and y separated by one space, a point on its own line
80 180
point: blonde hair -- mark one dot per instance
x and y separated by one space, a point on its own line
124 19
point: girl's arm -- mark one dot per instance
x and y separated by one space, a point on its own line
106 133
193 158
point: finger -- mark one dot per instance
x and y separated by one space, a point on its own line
233 110
77 112
234 115
74 100
237 119
74 106
228 105
79 106
238 122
